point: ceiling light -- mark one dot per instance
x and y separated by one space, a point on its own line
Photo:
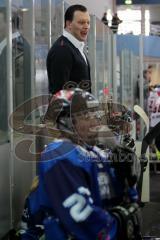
128 2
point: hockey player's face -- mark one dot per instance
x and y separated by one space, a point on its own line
87 125
80 25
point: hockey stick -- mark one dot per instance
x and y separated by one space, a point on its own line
145 118
143 115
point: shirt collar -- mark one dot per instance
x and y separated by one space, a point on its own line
78 44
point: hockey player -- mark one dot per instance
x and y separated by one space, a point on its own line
154 133
154 108
78 195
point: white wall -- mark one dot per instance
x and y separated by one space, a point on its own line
96 7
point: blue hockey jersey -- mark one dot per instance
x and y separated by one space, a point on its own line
77 186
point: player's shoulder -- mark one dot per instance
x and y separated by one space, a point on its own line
59 148
65 150
54 152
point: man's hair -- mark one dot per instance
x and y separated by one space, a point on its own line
151 66
71 10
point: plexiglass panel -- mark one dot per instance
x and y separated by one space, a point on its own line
107 54
128 56
129 73
4 147
99 52
57 19
21 42
23 81
4 189
3 74
91 52
41 46
99 57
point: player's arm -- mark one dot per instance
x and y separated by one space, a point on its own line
28 228
147 140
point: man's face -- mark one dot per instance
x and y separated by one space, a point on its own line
149 74
2 26
79 26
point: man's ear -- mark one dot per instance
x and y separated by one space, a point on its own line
68 24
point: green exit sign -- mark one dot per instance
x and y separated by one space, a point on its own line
128 2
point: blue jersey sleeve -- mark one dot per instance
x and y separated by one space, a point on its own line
28 227
68 188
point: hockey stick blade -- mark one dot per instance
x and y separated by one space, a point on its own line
143 115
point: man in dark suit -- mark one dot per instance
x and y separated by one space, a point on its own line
67 65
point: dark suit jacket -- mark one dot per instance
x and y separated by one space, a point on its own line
66 64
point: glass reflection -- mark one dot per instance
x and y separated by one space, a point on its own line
98 53
3 74
99 57
41 46
57 19
21 55
128 71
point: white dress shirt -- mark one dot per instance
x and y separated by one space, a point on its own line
78 44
